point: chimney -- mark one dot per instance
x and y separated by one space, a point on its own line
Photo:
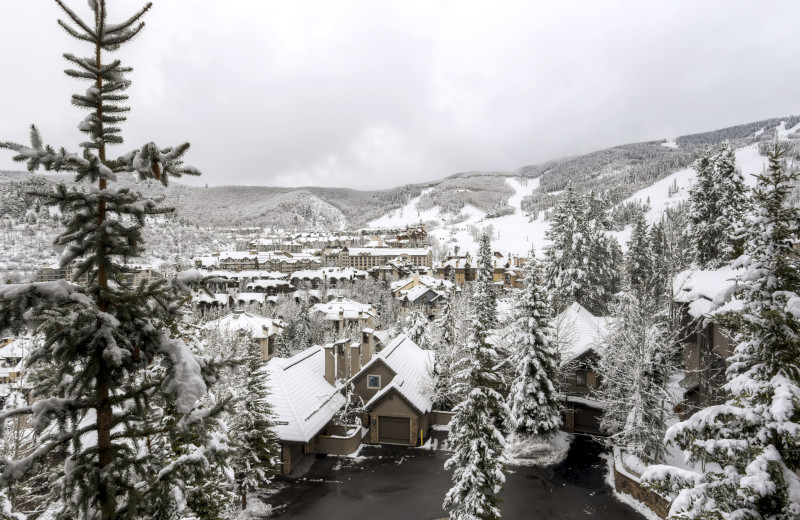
337 361
355 359
367 346
415 279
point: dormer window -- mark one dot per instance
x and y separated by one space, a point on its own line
373 381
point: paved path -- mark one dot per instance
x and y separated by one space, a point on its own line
395 483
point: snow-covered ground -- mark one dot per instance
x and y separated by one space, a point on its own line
516 233
513 234
407 215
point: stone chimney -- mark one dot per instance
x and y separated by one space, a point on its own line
367 346
415 279
337 361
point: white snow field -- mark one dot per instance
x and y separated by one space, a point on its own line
516 233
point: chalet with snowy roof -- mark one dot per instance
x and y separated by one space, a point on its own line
700 296
341 313
506 269
270 287
244 324
395 388
330 276
12 356
579 334
304 402
401 286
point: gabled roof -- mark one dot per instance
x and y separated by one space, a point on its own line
705 291
417 292
258 327
411 364
349 308
582 328
303 401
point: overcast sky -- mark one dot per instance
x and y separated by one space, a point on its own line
374 94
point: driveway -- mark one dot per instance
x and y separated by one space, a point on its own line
398 483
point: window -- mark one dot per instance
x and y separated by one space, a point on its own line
373 381
580 378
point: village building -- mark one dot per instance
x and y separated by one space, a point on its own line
331 276
244 324
395 386
12 356
700 296
304 402
365 258
578 335
343 313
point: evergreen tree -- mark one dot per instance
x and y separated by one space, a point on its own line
478 446
122 378
415 326
486 273
747 451
639 259
717 200
446 346
635 364
257 452
580 261
733 202
534 400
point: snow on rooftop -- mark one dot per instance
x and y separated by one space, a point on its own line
411 364
303 401
690 285
582 329
258 327
343 306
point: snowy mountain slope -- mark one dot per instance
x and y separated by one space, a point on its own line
630 171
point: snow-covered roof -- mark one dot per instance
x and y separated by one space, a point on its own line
705 291
688 286
387 251
303 401
250 297
417 292
263 284
583 329
349 308
427 280
411 365
258 327
13 350
203 297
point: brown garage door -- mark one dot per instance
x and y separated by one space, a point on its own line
587 420
393 430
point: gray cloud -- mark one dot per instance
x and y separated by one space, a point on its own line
372 94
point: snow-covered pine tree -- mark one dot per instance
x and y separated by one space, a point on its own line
445 344
639 259
114 360
486 273
635 365
478 446
415 326
746 452
734 201
257 453
580 262
534 399
703 202
718 201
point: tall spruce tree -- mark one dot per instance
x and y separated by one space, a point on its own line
639 259
486 273
478 446
718 201
746 452
635 365
257 452
579 263
534 400
120 382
